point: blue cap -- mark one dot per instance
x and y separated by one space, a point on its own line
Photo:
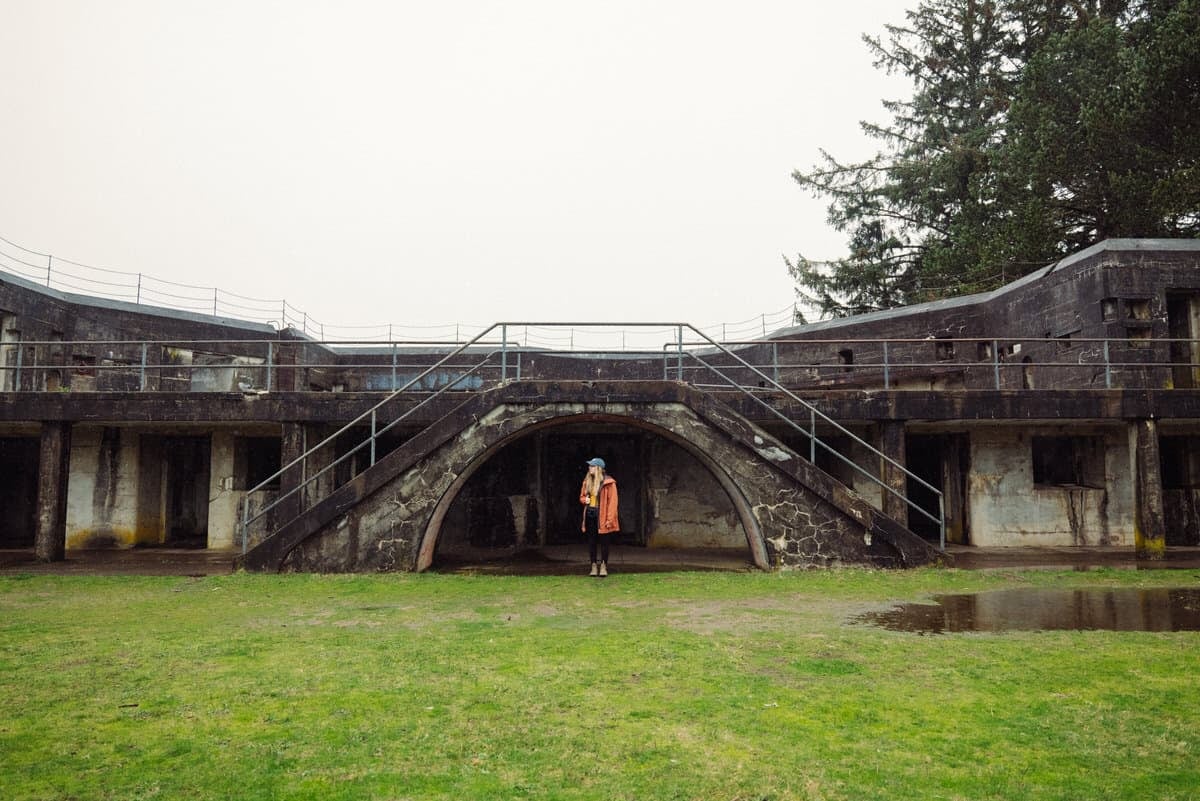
597 462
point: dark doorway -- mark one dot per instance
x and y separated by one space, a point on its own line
939 460
563 470
518 510
1182 310
18 490
1179 458
185 476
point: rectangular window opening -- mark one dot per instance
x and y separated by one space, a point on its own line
1179 458
846 356
943 349
1137 308
255 459
1064 340
1068 462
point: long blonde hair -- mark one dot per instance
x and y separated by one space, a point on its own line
593 481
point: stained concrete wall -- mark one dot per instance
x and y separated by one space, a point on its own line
1006 508
225 504
1116 289
688 508
102 492
116 492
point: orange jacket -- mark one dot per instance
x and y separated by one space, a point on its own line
608 506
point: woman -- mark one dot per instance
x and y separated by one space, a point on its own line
599 498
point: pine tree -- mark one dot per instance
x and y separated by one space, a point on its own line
1035 127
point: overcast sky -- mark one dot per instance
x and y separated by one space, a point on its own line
437 162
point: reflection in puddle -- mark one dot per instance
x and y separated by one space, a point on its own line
1159 609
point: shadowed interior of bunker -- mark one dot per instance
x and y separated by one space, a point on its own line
18 490
525 496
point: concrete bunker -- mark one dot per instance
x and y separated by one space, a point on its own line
522 496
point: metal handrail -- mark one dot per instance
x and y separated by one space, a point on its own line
349 362
814 440
371 413
247 519
995 360
368 414
814 412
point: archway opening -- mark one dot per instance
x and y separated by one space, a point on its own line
519 511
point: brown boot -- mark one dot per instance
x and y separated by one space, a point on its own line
594 570
603 569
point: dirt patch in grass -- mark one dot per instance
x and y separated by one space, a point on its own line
755 614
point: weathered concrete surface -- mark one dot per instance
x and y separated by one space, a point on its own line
102 506
291 449
1007 508
1149 530
688 507
891 444
1181 513
224 505
54 463
843 405
388 517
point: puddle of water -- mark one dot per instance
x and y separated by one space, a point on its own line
1159 609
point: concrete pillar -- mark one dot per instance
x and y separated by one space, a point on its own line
291 448
224 506
54 462
891 442
1149 529
320 486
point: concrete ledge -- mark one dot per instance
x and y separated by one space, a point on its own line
843 405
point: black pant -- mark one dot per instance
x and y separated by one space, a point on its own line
591 525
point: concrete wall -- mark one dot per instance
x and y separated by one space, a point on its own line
102 493
688 508
1006 508
227 492
116 493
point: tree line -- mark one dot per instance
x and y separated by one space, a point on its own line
1035 128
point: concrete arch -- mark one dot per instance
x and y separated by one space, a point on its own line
750 526
389 517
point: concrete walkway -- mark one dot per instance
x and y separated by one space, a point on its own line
968 557
572 559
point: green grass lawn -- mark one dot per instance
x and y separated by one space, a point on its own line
685 685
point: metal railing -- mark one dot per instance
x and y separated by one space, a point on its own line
820 363
305 365
504 352
144 289
371 415
814 441
206 365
